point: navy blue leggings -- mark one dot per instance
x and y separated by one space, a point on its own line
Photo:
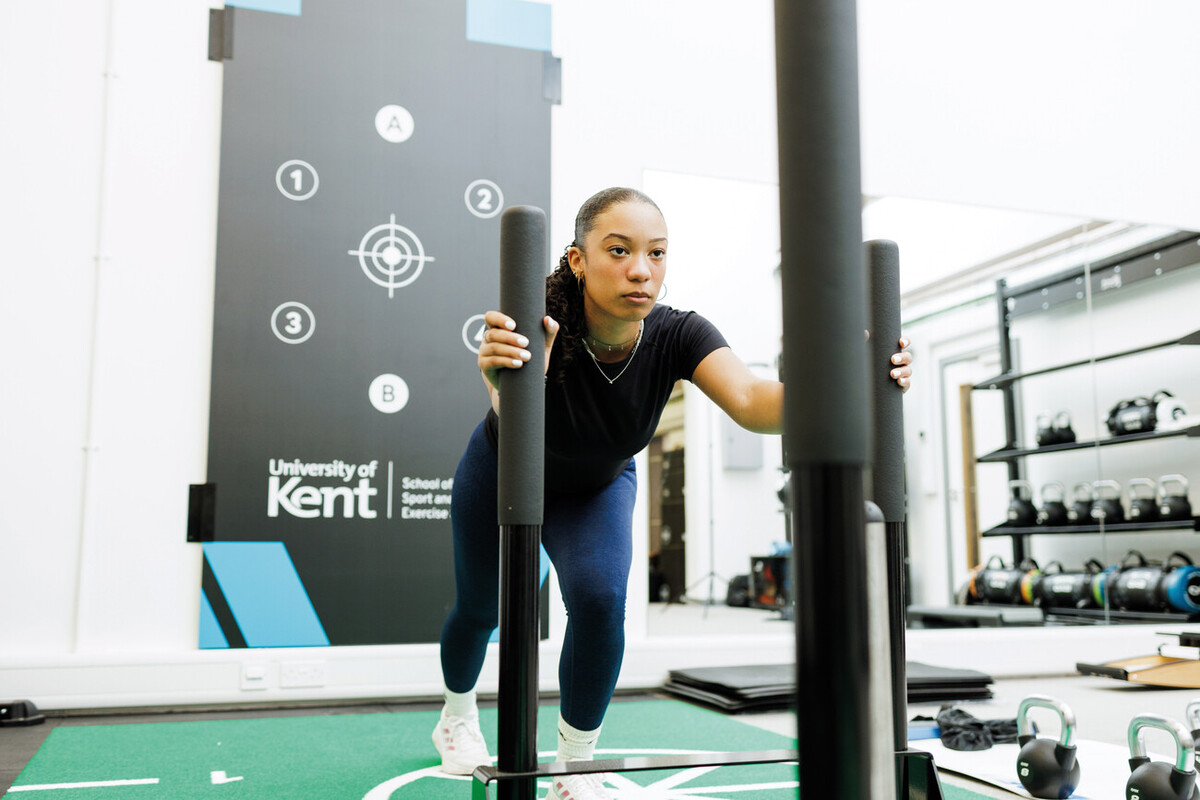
589 538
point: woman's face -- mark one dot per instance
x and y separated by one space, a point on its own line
623 261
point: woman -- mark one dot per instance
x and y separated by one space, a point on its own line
612 357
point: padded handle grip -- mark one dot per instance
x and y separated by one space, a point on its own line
522 435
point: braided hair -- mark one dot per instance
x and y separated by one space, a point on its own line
564 291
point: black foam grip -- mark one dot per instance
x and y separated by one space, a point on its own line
823 275
887 408
522 391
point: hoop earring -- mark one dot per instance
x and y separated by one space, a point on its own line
662 292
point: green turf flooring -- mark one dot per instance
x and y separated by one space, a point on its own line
379 757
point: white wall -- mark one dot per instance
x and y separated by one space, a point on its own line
108 221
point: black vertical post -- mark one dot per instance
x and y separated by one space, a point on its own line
887 471
1011 435
825 360
520 494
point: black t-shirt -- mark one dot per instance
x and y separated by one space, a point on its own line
593 427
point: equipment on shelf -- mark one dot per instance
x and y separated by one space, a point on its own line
1047 768
1159 780
1021 511
1004 585
1168 410
1173 585
1054 430
1143 507
1131 416
1106 507
1062 589
1174 506
1054 509
1080 512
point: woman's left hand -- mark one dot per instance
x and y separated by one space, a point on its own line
902 371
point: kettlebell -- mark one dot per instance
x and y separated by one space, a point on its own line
1106 507
1173 506
1053 510
1158 780
1047 768
1192 715
1063 429
1080 512
1046 435
1143 507
1021 511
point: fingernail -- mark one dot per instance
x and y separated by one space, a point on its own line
895 373
524 355
516 362
522 341
896 359
510 324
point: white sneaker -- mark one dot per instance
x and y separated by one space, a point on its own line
578 787
459 742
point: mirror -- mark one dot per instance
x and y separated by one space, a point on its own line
723 259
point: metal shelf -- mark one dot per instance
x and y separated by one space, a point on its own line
1001 381
1013 454
1119 527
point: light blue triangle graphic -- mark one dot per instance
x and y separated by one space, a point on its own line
264 592
211 635
543 573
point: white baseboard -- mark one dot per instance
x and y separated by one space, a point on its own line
335 674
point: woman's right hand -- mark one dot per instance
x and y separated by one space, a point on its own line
504 348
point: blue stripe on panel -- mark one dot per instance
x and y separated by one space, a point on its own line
211 635
265 594
278 6
512 23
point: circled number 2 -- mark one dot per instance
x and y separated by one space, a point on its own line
484 198
296 179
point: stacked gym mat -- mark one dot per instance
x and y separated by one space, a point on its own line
767 687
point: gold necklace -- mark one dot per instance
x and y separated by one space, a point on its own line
611 348
596 361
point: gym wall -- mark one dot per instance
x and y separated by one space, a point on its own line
109 229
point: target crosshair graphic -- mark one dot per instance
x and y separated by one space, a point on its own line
391 256
682 784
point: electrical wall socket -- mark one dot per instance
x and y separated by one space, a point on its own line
254 677
302 674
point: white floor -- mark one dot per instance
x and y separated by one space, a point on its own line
1103 707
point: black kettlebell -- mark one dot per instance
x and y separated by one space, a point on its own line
1192 715
1158 780
1174 506
1106 507
1063 429
1143 507
1047 768
1080 512
1053 510
1021 511
1046 435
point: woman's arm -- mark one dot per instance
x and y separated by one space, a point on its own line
757 403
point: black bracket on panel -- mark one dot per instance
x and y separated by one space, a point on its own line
552 79
220 34
202 512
